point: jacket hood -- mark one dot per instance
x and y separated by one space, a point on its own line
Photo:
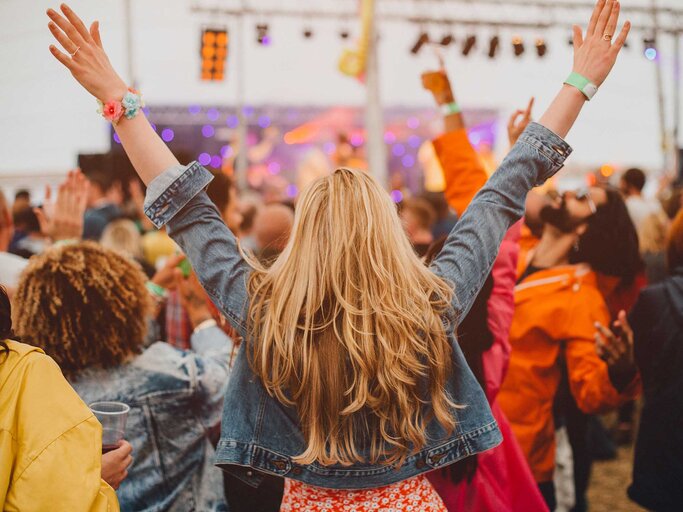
14 358
673 288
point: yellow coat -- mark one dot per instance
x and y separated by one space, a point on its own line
50 442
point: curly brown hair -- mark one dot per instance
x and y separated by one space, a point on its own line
85 305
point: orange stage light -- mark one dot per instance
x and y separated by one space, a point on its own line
214 53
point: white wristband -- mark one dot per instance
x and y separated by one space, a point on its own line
206 324
448 109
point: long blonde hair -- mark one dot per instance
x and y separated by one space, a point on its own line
347 325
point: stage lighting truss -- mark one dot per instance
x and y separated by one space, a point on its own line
541 47
214 53
518 46
422 39
494 44
262 34
469 45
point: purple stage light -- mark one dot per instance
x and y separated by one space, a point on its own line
264 121
413 123
396 196
291 190
216 161
274 168
194 109
204 159
232 121
398 150
408 161
167 134
208 131
356 140
389 137
414 141
226 151
213 114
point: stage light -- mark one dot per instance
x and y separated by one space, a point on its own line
308 32
650 50
262 35
541 48
469 44
214 53
493 46
446 40
422 39
518 46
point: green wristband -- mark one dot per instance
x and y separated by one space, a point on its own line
448 109
582 83
156 290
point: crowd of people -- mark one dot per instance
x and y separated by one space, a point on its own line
341 352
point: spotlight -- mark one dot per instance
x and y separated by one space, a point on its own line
446 40
541 47
493 46
214 53
421 41
262 36
308 32
469 44
650 50
344 33
518 46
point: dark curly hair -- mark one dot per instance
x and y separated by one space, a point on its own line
84 305
610 243
5 319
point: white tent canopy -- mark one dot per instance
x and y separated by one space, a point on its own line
46 119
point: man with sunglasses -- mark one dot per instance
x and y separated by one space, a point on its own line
587 233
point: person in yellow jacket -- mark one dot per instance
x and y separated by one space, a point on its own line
50 442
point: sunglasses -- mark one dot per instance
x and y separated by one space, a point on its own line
584 194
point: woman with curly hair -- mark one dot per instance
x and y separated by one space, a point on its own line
50 442
87 307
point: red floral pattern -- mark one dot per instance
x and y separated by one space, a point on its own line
412 495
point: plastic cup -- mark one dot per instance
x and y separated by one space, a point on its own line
112 416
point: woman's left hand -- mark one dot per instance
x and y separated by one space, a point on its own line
85 57
616 349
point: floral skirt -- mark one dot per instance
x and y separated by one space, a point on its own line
413 495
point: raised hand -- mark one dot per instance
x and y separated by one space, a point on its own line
84 56
616 349
438 84
62 219
518 122
595 55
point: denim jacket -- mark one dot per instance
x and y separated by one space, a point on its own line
258 432
175 397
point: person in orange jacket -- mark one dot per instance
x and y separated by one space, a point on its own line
557 303
500 480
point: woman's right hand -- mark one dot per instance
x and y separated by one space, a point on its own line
594 56
86 58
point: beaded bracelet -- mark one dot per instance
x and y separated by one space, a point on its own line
128 107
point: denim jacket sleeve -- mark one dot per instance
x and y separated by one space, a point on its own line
177 199
472 246
212 349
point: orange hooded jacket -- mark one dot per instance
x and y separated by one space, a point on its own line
554 323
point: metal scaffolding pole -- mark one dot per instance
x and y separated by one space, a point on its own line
374 122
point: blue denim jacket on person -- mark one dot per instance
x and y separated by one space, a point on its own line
175 397
258 432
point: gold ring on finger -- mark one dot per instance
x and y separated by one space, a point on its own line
607 37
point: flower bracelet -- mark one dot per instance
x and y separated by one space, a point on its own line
128 107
